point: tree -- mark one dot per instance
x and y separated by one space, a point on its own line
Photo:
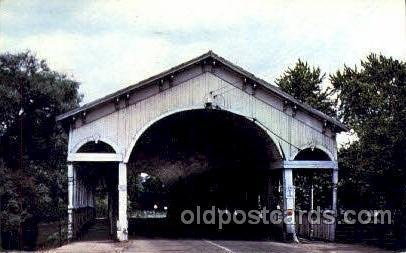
32 145
304 83
372 101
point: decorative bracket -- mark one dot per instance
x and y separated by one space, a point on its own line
127 99
254 88
73 122
325 125
161 84
244 84
117 103
294 111
171 78
202 65
83 117
285 105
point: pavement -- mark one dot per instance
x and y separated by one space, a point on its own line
147 245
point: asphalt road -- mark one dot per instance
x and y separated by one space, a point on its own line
144 245
183 246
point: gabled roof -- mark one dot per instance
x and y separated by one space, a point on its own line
205 57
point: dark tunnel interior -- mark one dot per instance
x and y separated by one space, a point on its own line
198 159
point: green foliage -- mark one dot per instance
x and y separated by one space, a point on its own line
304 83
320 180
373 103
101 204
371 100
29 87
32 145
145 191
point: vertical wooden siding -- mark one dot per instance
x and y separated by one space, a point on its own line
290 133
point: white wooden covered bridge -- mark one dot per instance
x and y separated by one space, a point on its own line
208 82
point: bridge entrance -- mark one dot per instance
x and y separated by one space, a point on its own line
205 133
199 160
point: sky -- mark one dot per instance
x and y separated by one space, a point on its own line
108 45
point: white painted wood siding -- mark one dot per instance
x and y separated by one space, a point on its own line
120 127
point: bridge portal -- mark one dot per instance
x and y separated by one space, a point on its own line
239 139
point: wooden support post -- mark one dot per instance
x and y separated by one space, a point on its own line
122 223
289 202
70 201
334 202
334 197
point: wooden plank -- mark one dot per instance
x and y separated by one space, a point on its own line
94 157
304 165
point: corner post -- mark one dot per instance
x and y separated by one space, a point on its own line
334 202
70 201
289 203
334 195
122 223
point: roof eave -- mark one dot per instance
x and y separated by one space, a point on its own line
132 88
155 78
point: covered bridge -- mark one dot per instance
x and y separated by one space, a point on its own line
291 135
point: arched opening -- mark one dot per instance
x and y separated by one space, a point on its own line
313 186
312 154
199 159
96 192
96 147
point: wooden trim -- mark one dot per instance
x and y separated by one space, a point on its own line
197 60
304 165
95 157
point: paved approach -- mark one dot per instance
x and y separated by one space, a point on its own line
183 246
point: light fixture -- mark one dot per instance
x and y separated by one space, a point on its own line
209 101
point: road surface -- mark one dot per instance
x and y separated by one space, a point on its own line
183 246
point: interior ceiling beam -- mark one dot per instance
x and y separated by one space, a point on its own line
94 157
304 165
